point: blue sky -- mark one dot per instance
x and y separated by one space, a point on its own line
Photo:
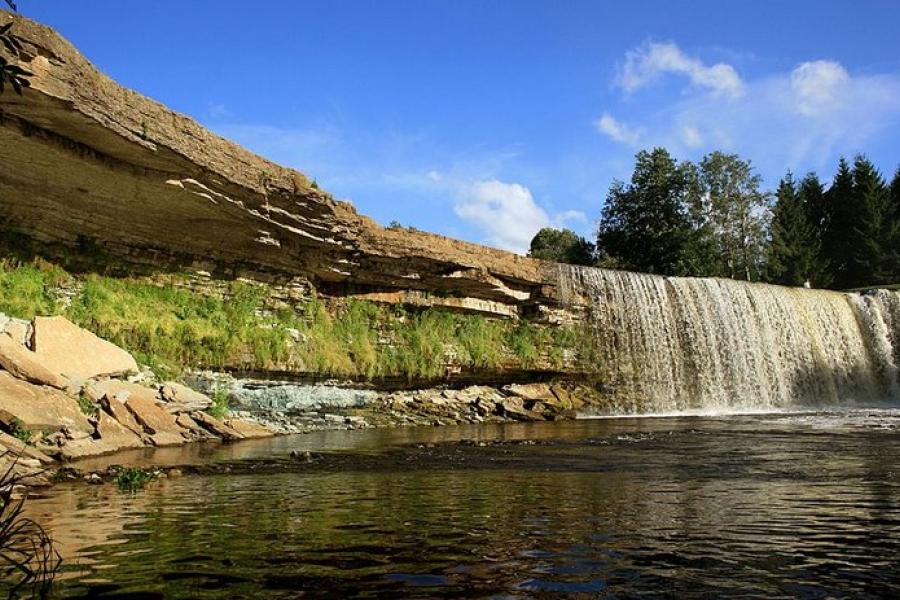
487 120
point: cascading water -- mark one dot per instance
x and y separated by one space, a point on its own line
677 344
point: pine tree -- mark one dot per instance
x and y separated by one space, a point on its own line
792 250
873 255
812 197
837 224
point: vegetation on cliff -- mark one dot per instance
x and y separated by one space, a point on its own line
170 328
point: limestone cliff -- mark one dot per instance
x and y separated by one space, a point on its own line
84 160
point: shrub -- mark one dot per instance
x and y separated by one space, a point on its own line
131 478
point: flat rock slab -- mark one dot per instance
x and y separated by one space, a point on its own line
249 429
530 391
180 398
123 390
25 364
113 433
77 353
157 421
38 407
117 409
216 426
17 447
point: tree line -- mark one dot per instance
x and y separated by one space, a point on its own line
713 219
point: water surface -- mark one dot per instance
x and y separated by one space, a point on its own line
784 505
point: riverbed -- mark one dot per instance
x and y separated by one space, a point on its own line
771 505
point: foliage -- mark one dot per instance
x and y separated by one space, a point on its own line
87 405
169 328
645 225
792 250
18 430
219 408
131 478
28 558
11 73
562 246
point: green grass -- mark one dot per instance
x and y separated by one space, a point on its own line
87 405
18 430
170 328
219 408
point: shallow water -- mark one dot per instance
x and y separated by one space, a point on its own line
782 505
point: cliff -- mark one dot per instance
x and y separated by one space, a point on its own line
86 162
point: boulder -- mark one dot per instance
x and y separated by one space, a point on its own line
114 434
77 353
156 421
249 429
565 399
39 408
24 364
123 390
180 398
529 391
216 426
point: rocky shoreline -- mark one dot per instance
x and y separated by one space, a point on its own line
66 394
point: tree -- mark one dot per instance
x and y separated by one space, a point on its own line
873 252
644 225
731 213
561 245
812 197
11 73
837 225
793 251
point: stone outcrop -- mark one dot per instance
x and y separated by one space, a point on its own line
77 353
76 418
84 156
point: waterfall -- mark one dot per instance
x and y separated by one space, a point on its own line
671 344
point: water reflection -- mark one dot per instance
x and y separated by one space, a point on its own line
784 506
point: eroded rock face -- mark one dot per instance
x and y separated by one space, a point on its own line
87 161
39 408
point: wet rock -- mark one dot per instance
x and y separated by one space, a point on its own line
66 348
25 364
93 479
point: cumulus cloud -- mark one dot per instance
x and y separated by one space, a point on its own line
819 87
647 63
507 213
617 131
798 119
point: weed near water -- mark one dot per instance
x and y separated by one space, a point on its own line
130 479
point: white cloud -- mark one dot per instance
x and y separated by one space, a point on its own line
646 64
797 119
617 131
507 213
691 137
819 86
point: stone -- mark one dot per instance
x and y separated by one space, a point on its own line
184 420
157 421
216 426
25 364
529 391
39 408
123 390
117 409
77 353
180 398
249 429
565 399
19 331
113 433
19 448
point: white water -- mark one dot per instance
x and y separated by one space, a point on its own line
672 344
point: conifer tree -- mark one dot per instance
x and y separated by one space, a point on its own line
873 253
792 252
812 197
837 224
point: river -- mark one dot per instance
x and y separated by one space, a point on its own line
768 505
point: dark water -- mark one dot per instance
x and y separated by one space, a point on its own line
756 507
